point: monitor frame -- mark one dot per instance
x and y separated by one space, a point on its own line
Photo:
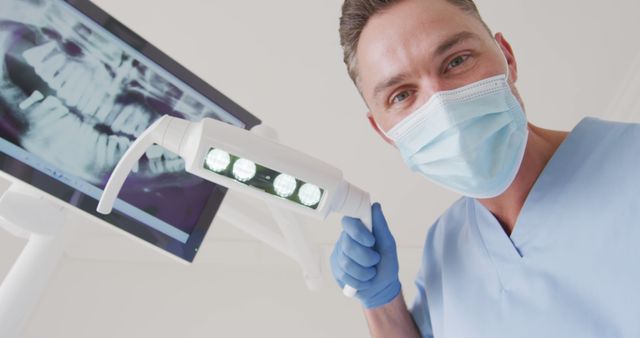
75 198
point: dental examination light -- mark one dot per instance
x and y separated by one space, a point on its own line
248 163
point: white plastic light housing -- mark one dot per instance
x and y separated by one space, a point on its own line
309 194
285 185
193 141
244 170
218 160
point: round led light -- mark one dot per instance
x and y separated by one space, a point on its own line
218 160
284 185
309 194
244 170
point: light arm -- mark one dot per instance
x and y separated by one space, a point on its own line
153 134
193 141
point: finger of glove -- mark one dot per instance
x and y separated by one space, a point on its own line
358 231
354 269
380 230
344 278
365 256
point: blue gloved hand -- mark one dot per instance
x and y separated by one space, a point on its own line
367 262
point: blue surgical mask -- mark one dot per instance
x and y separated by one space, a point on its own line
470 140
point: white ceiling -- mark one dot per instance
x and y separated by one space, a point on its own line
281 60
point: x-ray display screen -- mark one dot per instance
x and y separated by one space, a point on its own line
74 96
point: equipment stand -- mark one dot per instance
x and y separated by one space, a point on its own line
41 222
291 240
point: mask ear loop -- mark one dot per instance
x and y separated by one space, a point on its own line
373 119
506 61
508 74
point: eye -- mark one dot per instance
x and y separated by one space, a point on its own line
402 96
457 62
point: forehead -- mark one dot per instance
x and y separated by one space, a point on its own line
392 38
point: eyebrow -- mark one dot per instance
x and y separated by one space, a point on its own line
391 82
442 48
453 41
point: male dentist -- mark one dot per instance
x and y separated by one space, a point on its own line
545 241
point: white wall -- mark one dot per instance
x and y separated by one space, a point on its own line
281 60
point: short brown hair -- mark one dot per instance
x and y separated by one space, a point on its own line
356 14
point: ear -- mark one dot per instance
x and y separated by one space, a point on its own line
508 52
376 127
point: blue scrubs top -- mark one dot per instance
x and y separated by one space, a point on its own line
571 267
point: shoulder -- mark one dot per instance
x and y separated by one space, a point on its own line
602 132
596 143
593 146
594 122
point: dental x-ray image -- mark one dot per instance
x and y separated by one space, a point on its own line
76 98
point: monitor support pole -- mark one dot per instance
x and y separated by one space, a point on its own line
293 239
301 248
41 222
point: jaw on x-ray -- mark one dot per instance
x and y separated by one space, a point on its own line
78 100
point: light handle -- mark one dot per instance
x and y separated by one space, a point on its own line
357 204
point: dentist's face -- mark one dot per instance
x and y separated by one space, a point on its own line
419 47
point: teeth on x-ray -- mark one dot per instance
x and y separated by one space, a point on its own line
37 54
53 129
47 112
84 93
172 162
155 151
162 161
162 165
29 101
132 120
79 84
84 87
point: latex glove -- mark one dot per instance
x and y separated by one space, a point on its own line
367 262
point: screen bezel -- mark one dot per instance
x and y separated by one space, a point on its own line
45 182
